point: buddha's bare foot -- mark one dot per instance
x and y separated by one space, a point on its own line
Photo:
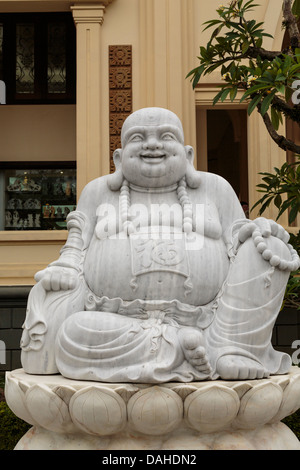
233 367
192 343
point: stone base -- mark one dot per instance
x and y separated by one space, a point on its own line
270 437
220 415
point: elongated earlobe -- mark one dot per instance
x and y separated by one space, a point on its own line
189 151
115 180
193 177
117 157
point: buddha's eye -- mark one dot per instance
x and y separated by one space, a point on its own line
136 138
168 136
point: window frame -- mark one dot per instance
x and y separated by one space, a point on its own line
40 21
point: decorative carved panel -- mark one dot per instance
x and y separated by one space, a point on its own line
120 94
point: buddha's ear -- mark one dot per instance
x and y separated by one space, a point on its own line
115 180
117 157
189 151
193 177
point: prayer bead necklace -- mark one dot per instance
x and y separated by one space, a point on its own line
275 260
184 200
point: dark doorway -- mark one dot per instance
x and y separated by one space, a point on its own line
227 148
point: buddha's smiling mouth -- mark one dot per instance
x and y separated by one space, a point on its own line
155 157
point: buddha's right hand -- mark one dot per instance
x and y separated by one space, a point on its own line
56 278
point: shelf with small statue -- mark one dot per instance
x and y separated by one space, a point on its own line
39 199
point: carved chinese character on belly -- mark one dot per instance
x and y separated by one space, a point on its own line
150 253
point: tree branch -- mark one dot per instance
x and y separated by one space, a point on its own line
280 140
292 112
254 52
291 23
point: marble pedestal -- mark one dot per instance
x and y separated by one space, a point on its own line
220 415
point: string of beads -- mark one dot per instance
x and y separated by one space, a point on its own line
275 260
184 200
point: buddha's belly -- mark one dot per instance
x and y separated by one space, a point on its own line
157 269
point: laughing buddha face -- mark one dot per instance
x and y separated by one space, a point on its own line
153 153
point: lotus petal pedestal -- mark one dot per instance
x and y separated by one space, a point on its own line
221 415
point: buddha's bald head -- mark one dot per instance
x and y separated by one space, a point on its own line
152 151
147 117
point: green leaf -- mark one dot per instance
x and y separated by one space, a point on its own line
267 35
211 69
293 214
280 78
296 8
265 205
253 90
266 102
197 74
259 42
281 89
278 201
250 4
237 26
216 31
211 23
257 25
251 24
192 72
253 104
264 186
287 63
196 79
274 118
293 69
245 47
233 93
223 92
204 53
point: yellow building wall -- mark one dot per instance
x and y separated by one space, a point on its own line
165 36
37 132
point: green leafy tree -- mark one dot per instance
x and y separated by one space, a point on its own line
268 79
269 82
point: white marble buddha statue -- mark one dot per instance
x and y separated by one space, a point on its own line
162 277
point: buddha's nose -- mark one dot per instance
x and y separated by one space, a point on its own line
152 144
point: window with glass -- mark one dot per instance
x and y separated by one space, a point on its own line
38 57
38 198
